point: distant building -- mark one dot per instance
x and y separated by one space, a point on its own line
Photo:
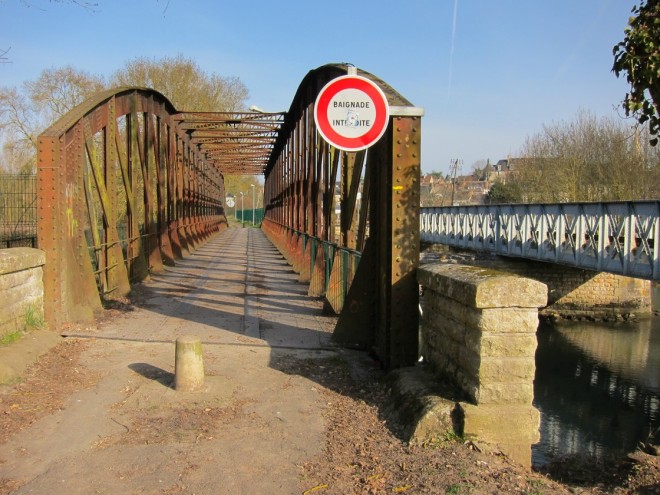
503 168
433 187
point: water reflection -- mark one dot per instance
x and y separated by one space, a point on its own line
597 387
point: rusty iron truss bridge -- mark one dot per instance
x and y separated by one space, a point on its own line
127 183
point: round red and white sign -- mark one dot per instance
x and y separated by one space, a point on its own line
351 113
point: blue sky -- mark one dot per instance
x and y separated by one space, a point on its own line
488 73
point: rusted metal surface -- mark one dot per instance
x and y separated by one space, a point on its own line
404 235
232 142
348 222
122 189
127 184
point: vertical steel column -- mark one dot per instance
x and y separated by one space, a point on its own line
68 275
402 340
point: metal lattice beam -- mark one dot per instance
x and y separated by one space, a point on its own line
347 222
122 191
233 142
615 237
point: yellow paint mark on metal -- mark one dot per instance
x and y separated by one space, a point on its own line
397 188
71 223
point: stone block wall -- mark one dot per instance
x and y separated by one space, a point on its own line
21 288
479 333
479 330
600 295
573 292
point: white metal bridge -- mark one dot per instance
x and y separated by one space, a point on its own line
616 237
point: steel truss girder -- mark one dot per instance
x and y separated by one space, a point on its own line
614 237
362 260
122 191
233 142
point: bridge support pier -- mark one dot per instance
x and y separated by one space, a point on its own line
479 333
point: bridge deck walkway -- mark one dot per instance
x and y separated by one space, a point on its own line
258 419
235 289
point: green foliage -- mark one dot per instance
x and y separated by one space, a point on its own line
34 319
441 441
638 57
504 193
458 489
252 196
9 338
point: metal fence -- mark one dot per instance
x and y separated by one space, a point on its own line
18 210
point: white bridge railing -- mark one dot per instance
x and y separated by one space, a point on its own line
619 237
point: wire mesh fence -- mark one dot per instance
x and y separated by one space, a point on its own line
18 210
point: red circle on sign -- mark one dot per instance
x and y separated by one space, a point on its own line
327 130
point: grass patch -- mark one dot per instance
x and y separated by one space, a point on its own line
458 489
9 338
448 437
34 319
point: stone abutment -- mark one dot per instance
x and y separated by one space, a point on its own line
478 332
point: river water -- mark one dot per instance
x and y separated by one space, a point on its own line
597 386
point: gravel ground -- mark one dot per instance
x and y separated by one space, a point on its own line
363 452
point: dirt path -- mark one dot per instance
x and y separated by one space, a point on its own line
283 412
283 422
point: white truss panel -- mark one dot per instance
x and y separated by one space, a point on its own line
616 237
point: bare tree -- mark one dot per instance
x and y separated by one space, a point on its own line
58 91
186 85
588 159
25 113
3 56
81 3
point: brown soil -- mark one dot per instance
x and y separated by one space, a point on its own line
44 388
364 452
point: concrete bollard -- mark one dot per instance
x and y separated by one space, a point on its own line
188 364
